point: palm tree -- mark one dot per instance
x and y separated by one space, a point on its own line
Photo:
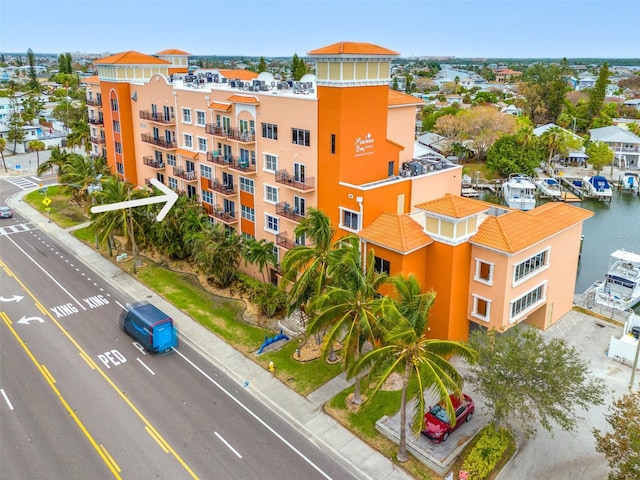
217 252
37 146
306 266
405 349
78 173
259 253
3 145
58 159
80 135
347 311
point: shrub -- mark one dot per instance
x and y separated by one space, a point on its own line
270 299
487 452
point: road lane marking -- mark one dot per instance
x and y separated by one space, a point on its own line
145 366
227 444
162 444
255 416
86 359
67 407
48 374
6 399
108 455
45 272
119 391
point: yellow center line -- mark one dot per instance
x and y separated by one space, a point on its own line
50 381
46 371
121 393
86 359
155 437
108 455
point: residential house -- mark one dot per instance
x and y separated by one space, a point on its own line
625 145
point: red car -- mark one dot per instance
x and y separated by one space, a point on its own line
437 425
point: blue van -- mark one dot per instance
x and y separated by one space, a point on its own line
150 326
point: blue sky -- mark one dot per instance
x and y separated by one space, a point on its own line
478 28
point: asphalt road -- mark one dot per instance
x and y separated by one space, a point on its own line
82 400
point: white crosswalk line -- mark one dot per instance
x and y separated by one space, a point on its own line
21 182
18 228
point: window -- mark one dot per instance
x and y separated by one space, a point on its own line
530 265
188 141
171 160
201 118
173 183
116 126
186 115
207 197
269 130
118 147
300 137
333 144
248 213
114 105
382 266
481 308
301 240
527 300
229 207
120 168
484 272
206 171
270 162
391 168
350 220
226 124
271 223
246 185
270 194
202 144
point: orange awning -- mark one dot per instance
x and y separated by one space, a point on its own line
187 153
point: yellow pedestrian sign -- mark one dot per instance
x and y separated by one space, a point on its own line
46 201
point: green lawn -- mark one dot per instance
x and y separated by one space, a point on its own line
62 212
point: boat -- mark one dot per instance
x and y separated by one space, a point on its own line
597 186
519 192
630 182
621 285
549 187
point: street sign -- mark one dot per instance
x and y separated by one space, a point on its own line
18 167
169 197
46 201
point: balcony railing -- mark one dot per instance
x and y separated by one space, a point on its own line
227 216
245 136
285 209
223 188
295 181
157 117
96 121
218 158
158 141
188 175
94 102
243 164
284 242
152 162
98 140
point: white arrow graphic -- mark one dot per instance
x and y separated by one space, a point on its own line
169 196
15 298
26 320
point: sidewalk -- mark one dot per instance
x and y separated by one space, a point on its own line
305 414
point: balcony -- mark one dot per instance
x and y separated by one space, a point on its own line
297 182
188 175
218 158
94 102
222 188
96 121
98 140
284 242
228 217
244 136
243 165
284 209
152 162
157 117
213 129
158 141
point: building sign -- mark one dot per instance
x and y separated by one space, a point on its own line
364 145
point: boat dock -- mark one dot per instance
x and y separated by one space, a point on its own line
571 187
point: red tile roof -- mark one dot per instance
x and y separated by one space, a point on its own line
517 230
396 232
220 106
399 98
93 79
455 206
131 58
243 99
187 153
352 48
238 73
173 51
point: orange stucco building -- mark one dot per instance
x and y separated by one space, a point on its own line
257 152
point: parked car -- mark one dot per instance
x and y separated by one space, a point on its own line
437 424
5 212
